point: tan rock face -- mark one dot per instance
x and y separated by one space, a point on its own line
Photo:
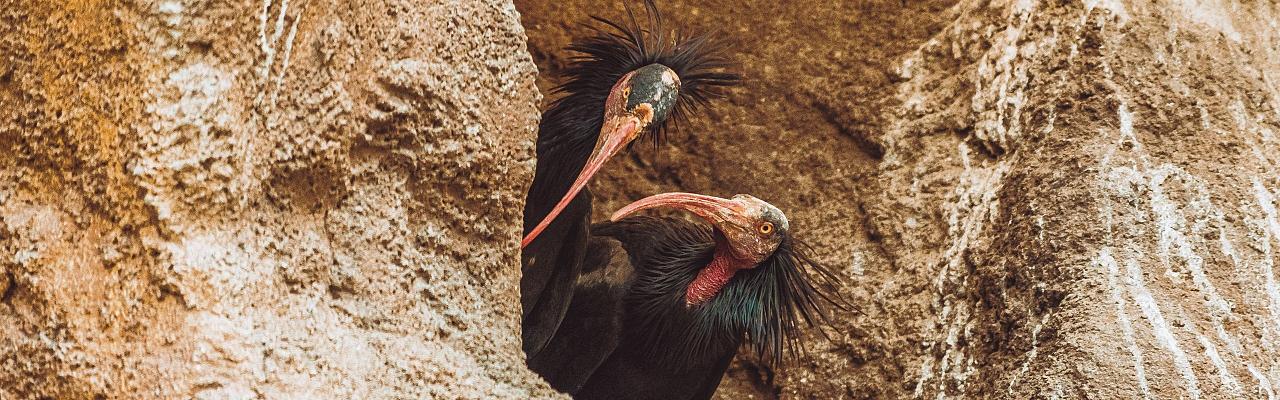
1027 198
309 199
279 199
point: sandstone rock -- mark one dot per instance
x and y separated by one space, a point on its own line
275 199
298 199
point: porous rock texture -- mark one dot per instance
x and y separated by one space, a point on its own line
284 199
319 199
1026 199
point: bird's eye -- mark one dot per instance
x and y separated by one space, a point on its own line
766 228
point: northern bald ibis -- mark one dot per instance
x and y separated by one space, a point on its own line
663 304
628 81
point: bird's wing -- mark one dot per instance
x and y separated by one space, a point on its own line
550 268
712 381
590 329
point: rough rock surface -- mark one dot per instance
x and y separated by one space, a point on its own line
266 199
319 199
1029 199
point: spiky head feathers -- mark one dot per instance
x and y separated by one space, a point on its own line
618 48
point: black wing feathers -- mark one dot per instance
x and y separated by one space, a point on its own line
593 323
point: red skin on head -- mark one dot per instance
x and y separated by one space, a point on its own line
713 277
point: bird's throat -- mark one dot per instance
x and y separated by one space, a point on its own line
712 278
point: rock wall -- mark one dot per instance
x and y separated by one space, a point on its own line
266 199
319 199
1028 199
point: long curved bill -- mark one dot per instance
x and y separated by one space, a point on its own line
619 131
718 211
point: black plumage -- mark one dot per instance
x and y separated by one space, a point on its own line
571 128
629 333
621 310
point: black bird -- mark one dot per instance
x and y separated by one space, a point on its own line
663 304
628 81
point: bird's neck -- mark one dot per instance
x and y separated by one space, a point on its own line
566 137
712 278
572 125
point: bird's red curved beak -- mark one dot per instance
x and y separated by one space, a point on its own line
723 213
619 129
733 218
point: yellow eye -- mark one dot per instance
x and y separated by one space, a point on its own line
766 228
